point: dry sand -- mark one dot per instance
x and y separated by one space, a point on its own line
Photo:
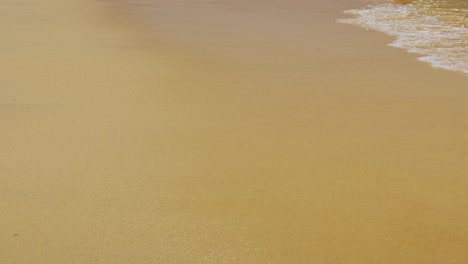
298 142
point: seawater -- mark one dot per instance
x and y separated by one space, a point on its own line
435 29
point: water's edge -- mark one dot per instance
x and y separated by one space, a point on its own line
419 29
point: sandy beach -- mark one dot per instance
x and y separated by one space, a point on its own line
189 132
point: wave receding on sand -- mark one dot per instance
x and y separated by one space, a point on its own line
419 29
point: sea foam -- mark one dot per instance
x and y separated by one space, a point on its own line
418 29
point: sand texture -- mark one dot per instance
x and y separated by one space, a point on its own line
264 134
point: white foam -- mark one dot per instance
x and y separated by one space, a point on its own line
439 43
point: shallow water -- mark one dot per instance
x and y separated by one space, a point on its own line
435 29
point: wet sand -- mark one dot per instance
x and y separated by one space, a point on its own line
282 138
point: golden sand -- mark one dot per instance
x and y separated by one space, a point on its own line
326 147
403 2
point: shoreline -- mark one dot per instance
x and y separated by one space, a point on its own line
198 148
438 43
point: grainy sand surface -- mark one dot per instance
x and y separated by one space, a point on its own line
177 133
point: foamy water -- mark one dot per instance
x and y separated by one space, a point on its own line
435 29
